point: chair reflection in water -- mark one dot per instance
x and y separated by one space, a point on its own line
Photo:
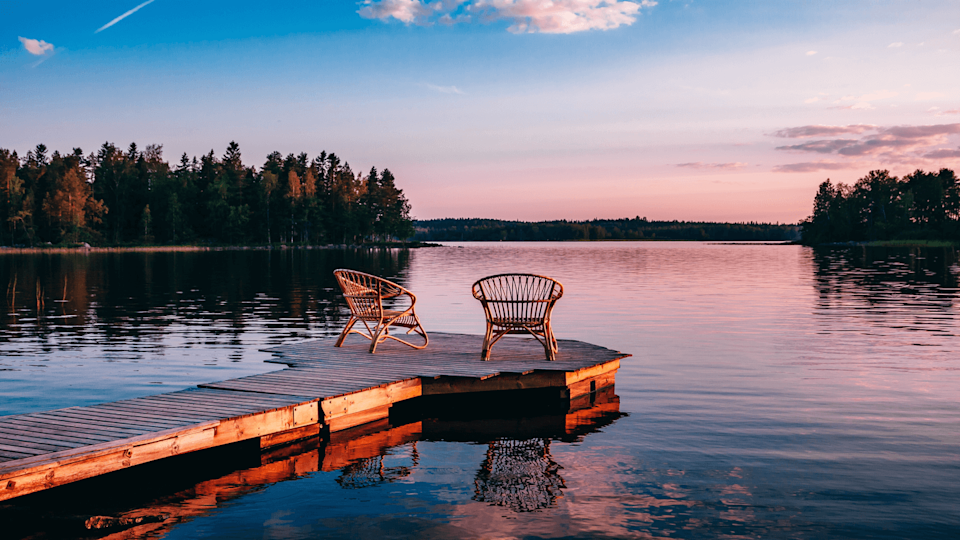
365 295
518 304
519 474
369 472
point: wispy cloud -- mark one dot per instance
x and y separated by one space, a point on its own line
524 16
721 166
36 47
943 153
894 144
122 17
863 102
821 131
812 166
444 89
811 53
895 45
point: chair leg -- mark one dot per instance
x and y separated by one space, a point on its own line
485 353
346 330
550 343
376 338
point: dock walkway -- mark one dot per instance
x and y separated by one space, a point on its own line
321 388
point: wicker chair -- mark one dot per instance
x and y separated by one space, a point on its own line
365 295
518 304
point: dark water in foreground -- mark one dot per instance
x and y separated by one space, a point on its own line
774 392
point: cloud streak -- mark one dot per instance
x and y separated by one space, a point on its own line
36 47
524 16
122 17
445 89
812 166
821 131
895 144
717 166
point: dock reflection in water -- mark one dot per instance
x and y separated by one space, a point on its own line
517 474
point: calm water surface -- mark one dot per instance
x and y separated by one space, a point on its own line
773 392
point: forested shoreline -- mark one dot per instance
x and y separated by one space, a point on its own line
879 206
133 197
637 228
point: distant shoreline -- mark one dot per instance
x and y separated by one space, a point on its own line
189 248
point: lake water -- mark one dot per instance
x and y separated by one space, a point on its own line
773 391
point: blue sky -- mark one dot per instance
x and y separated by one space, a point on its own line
530 109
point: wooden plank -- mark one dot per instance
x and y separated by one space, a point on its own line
128 416
26 449
40 433
54 420
462 385
368 399
66 442
346 421
55 429
113 421
587 386
284 437
592 371
156 413
137 410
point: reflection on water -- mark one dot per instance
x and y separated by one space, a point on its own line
371 471
101 327
520 475
774 391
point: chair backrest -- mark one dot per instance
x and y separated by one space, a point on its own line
517 296
364 292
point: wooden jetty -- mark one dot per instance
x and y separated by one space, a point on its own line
322 389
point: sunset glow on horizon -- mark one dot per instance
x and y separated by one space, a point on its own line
509 109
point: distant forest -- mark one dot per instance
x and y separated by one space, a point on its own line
921 205
132 197
638 228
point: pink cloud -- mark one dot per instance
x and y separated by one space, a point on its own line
525 16
895 144
821 147
36 47
408 11
821 131
721 166
943 153
812 166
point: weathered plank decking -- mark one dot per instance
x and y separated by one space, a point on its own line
322 387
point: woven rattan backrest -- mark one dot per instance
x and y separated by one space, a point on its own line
363 292
517 296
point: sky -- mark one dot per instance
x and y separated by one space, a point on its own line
715 110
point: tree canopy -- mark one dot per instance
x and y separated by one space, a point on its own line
921 205
128 197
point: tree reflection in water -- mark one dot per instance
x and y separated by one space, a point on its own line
368 472
519 474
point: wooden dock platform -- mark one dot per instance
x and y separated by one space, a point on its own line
322 388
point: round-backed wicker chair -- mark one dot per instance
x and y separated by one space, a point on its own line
365 295
518 304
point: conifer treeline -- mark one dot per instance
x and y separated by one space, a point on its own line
921 205
637 228
128 197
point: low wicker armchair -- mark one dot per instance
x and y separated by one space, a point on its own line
518 304
365 294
